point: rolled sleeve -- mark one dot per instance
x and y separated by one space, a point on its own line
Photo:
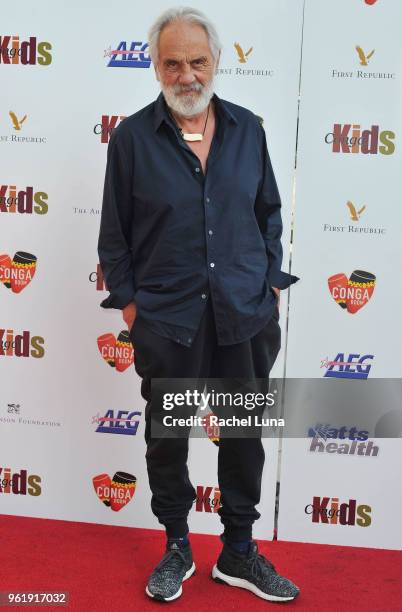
114 243
268 213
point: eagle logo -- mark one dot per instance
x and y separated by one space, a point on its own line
354 213
243 57
16 122
363 57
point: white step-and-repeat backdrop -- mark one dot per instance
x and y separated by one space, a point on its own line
71 421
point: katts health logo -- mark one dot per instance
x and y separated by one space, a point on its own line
352 293
17 273
341 441
117 352
351 139
26 52
116 492
128 55
19 483
352 366
328 511
124 423
22 201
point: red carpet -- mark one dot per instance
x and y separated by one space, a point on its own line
105 569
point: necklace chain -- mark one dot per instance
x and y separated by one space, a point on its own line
181 129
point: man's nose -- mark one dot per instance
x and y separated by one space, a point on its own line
186 76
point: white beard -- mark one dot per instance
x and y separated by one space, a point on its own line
187 106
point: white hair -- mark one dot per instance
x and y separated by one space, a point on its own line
189 15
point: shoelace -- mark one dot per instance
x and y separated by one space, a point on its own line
259 566
173 557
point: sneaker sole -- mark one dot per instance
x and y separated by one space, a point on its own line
187 575
220 577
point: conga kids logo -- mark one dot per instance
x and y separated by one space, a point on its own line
124 423
20 345
106 126
115 492
352 366
354 292
19 483
350 138
98 279
208 499
24 201
328 511
25 52
128 55
17 273
118 353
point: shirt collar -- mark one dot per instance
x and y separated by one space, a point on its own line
161 113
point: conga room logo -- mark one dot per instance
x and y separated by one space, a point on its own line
352 293
115 492
17 273
117 352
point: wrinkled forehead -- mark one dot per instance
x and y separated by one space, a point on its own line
184 42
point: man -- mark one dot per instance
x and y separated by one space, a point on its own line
190 249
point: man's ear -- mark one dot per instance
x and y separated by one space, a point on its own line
156 72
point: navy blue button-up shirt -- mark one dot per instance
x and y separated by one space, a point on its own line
171 237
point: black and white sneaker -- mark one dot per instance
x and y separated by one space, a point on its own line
254 573
176 566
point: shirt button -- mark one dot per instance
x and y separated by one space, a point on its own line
204 296
208 200
212 264
210 232
197 169
188 339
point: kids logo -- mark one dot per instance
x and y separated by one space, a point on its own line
26 52
354 292
355 366
20 345
118 353
23 201
107 125
115 492
349 138
208 499
128 55
329 511
17 273
212 430
124 423
19 483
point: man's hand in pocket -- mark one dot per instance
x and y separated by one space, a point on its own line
129 314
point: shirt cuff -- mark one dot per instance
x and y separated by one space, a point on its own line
119 297
281 280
